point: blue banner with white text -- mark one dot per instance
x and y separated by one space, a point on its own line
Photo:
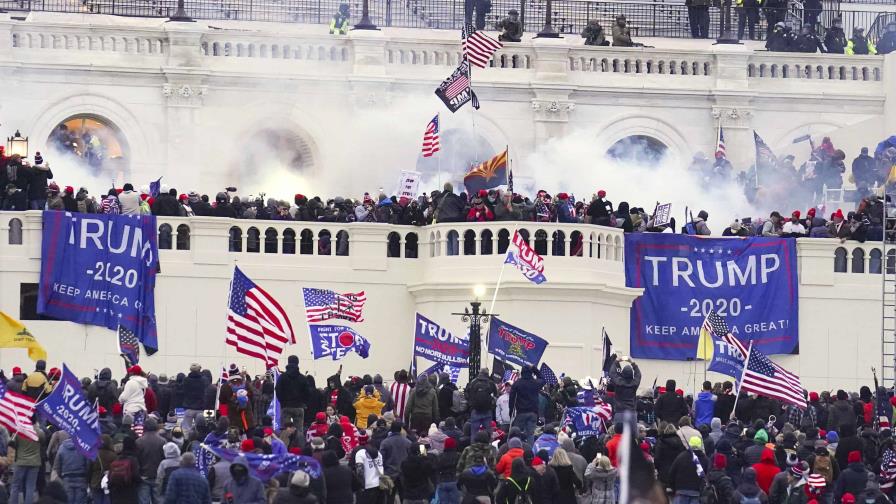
101 270
336 341
727 359
752 282
434 342
514 345
68 409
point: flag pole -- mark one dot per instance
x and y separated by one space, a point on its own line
439 156
741 381
491 308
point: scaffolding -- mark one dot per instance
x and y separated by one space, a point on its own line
888 292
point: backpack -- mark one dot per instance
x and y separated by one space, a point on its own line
521 497
168 471
822 466
122 472
480 395
709 494
458 402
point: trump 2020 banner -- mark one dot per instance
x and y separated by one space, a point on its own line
525 259
512 344
752 282
434 342
101 270
68 409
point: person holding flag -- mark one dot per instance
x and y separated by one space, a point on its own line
625 376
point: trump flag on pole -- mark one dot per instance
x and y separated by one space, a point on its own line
525 259
68 409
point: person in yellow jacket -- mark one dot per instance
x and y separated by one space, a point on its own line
339 22
37 384
859 43
368 404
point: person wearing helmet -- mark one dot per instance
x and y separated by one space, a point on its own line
859 43
339 22
511 27
807 41
594 35
835 38
777 41
223 207
887 42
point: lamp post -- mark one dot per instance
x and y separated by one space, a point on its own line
725 34
475 316
365 23
17 144
181 13
548 31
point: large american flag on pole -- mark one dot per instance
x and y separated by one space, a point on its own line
720 146
431 137
764 377
257 325
478 47
324 304
16 411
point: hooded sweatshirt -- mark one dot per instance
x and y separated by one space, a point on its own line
168 465
248 489
766 470
424 402
131 397
704 407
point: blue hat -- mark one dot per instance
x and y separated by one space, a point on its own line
833 437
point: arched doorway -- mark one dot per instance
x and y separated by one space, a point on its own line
640 150
273 158
95 143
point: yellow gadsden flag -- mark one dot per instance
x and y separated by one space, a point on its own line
14 335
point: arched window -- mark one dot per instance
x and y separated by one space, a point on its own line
410 246
638 149
524 234
15 231
253 240
270 241
891 262
486 242
183 237
858 260
236 239
324 247
289 241
97 141
165 236
342 243
840 260
874 261
393 246
575 244
541 242
452 240
559 247
469 242
503 241
306 242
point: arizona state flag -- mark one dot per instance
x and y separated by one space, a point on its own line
14 335
488 174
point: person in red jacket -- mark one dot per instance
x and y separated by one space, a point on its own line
480 212
515 451
613 443
766 469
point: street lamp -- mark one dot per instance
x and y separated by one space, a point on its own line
181 13
725 34
365 23
17 144
548 31
475 316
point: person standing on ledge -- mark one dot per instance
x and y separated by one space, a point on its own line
339 23
511 27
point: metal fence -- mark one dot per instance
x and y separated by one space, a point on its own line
646 19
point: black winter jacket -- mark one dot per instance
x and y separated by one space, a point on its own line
194 391
292 389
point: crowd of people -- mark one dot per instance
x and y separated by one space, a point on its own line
31 186
422 439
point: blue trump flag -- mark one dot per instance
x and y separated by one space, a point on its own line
727 359
68 409
512 344
434 342
101 270
155 188
525 259
336 341
265 467
751 282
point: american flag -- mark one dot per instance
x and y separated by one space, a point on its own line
478 47
128 345
257 325
323 304
139 420
16 411
764 377
431 137
510 377
547 374
458 86
225 376
714 326
720 147
888 469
